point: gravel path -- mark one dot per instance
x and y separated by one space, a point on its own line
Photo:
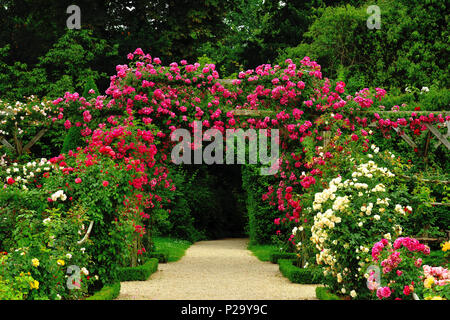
217 270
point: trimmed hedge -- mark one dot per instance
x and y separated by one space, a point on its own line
323 294
299 275
139 273
281 255
162 256
108 292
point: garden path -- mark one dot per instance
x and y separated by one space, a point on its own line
217 270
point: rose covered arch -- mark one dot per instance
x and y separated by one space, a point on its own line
131 126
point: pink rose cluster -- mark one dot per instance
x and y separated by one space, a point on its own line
383 292
411 244
440 274
377 248
391 262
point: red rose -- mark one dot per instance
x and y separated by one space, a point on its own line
10 181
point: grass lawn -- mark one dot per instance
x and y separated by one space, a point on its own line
175 247
262 251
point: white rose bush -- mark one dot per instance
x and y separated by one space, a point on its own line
353 212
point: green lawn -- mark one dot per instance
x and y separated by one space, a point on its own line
262 251
175 247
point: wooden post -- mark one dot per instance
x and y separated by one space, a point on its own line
405 137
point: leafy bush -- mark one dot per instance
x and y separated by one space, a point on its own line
299 275
322 293
402 272
139 273
72 140
163 257
351 213
274 257
108 292
46 249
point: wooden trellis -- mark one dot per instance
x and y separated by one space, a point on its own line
432 130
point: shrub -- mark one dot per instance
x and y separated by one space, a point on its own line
351 214
139 273
46 250
72 140
299 275
13 203
163 257
274 257
399 272
322 293
108 292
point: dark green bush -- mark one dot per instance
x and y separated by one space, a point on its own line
108 292
72 140
162 256
12 204
299 275
282 255
323 294
139 273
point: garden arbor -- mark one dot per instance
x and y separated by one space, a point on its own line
129 130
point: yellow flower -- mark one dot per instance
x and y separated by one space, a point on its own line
446 246
35 262
437 298
34 284
60 262
429 281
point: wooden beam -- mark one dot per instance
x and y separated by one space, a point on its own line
440 204
405 137
443 112
7 144
436 132
34 140
252 113
424 180
225 81
447 135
